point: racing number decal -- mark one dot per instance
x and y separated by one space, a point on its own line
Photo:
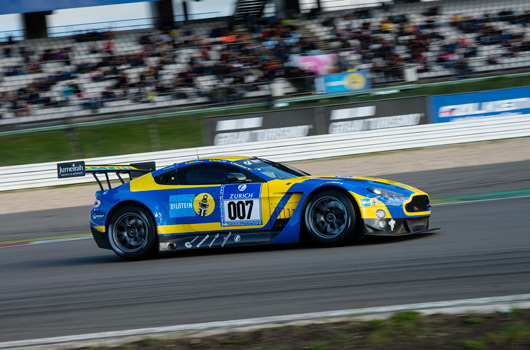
241 205
239 210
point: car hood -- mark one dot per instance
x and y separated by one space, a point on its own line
371 182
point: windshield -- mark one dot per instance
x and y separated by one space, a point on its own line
272 169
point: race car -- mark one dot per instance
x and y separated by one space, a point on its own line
232 201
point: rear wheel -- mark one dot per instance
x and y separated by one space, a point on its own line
330 218
132 233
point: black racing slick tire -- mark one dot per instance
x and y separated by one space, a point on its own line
330 218
132 233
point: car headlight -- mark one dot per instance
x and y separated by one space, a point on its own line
384 192
97 203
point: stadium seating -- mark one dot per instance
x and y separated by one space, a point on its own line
449 50
87 68
216 62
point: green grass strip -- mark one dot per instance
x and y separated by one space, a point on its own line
442 201
184 129
491 195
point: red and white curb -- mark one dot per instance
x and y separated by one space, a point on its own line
44 241
478 305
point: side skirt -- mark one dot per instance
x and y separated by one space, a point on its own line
215 240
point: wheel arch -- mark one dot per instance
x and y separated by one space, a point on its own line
124 204
327 187
330 187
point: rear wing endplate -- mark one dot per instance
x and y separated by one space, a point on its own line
76 169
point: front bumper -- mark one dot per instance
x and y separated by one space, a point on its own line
101 238
396 227
392 234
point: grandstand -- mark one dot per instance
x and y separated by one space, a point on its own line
227 60
458 38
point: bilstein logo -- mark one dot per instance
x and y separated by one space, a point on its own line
70 169
203 204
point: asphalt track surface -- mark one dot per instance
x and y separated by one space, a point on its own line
73 287
439 184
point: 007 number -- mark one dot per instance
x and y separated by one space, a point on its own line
240 210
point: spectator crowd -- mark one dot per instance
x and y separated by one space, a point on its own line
386 46
226 63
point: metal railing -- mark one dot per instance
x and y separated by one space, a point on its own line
312 147
117 25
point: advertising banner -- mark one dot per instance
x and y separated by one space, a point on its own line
376 115
70 169
479 105
24 6
319 64
343 82
264 126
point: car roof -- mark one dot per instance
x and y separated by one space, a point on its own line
227 159
232 158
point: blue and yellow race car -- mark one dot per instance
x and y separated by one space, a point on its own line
231 201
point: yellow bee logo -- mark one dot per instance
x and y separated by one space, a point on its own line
354 81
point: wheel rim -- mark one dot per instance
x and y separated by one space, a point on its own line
130 232
328 217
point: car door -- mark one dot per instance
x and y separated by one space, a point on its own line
211 202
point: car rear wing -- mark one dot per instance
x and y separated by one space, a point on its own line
76 169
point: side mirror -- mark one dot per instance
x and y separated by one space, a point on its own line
236 177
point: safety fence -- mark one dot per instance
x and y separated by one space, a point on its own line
294 149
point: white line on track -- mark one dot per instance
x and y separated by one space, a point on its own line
489 304
61 240
481 200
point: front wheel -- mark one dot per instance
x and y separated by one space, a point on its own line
330 218
132 233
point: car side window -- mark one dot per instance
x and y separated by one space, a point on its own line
211 174
167 178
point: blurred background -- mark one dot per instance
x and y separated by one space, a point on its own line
92 78
126 81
